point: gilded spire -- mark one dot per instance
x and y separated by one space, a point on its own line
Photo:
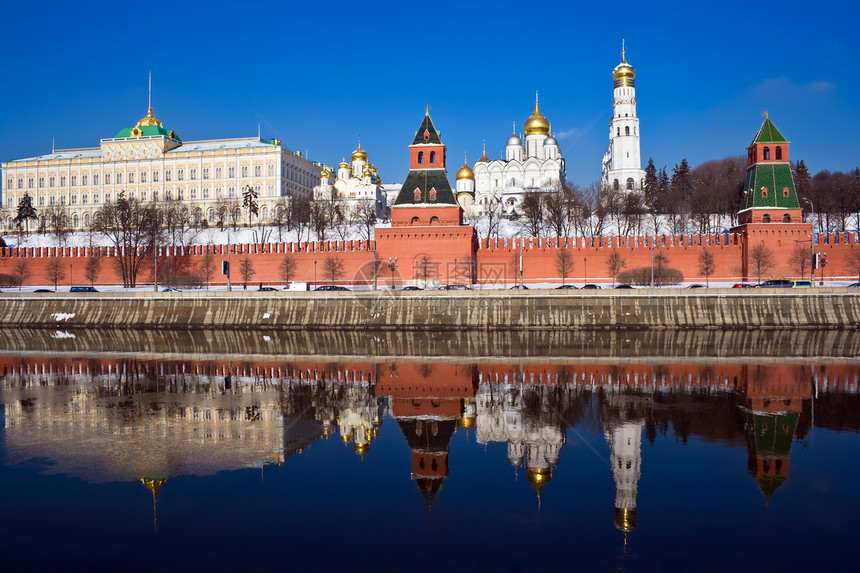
623 52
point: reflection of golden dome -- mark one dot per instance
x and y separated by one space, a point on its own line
153 484
623 74
537 123
345 437
539 478
359 154
625 519
361 448
466 422
465 172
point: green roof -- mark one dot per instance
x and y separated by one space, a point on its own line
148 130
768 133
775 177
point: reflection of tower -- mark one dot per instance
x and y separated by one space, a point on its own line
429 402
772 402
623 419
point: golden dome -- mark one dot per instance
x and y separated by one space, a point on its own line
149 120
467 422
359 154
539 478
343 165
361 448
623 75
324 174
537 123
368 172
625 519
465 172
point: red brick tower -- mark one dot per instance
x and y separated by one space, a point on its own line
427 234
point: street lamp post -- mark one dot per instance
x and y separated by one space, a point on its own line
811 238
652 263
585 270
315 273
392 265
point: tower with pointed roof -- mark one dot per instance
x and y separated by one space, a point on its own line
427 242
770 212
622 163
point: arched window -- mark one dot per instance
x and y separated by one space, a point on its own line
618 131
434 220
414 220
417 194
764 191
75 221
615 184
630 183
86 219
778 153
627 130
765 218
432 157
433 194
786 218
420 157
766 153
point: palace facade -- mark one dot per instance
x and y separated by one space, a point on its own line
149 162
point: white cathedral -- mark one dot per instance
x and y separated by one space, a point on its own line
353 183
532 162
622 164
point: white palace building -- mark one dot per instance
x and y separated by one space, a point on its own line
148 162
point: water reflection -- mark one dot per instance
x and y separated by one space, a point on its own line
104 419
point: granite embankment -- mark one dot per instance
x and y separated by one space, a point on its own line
820 308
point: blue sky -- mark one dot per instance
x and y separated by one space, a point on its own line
320 74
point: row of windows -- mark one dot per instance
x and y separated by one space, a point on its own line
626 130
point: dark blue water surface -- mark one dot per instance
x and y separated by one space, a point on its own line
126 462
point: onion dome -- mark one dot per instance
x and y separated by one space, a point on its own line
343 165
359 154
465 172
537 123
514 140
550 141
368 172
324 174
483 158
361 448
467 422
623 75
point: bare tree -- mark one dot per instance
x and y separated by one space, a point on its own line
365 214
614 264
333 268
801 259
557 205
533 212
564 264
492 214
55 271
133 230
21 271
287 269
92 268
280 217
299 216
57 221
207 266
516 261
246 271
425 269
760 259
707 265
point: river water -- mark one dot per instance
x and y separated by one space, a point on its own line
378 451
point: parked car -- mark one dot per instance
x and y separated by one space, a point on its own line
170 289
267 289
331 287
43 290
457 287
802 284
566 287
624 286
696 286
524 287
775 283
82 289
743 285
855 285
412 288
591 286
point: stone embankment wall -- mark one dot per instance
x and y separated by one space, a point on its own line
826 308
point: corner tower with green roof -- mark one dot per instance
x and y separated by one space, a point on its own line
770 212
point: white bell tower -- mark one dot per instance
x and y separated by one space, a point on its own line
622 164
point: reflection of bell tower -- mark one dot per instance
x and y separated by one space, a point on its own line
623 419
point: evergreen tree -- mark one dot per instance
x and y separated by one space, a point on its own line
25 212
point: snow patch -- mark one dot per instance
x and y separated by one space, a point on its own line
267 315
63 334
61 316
